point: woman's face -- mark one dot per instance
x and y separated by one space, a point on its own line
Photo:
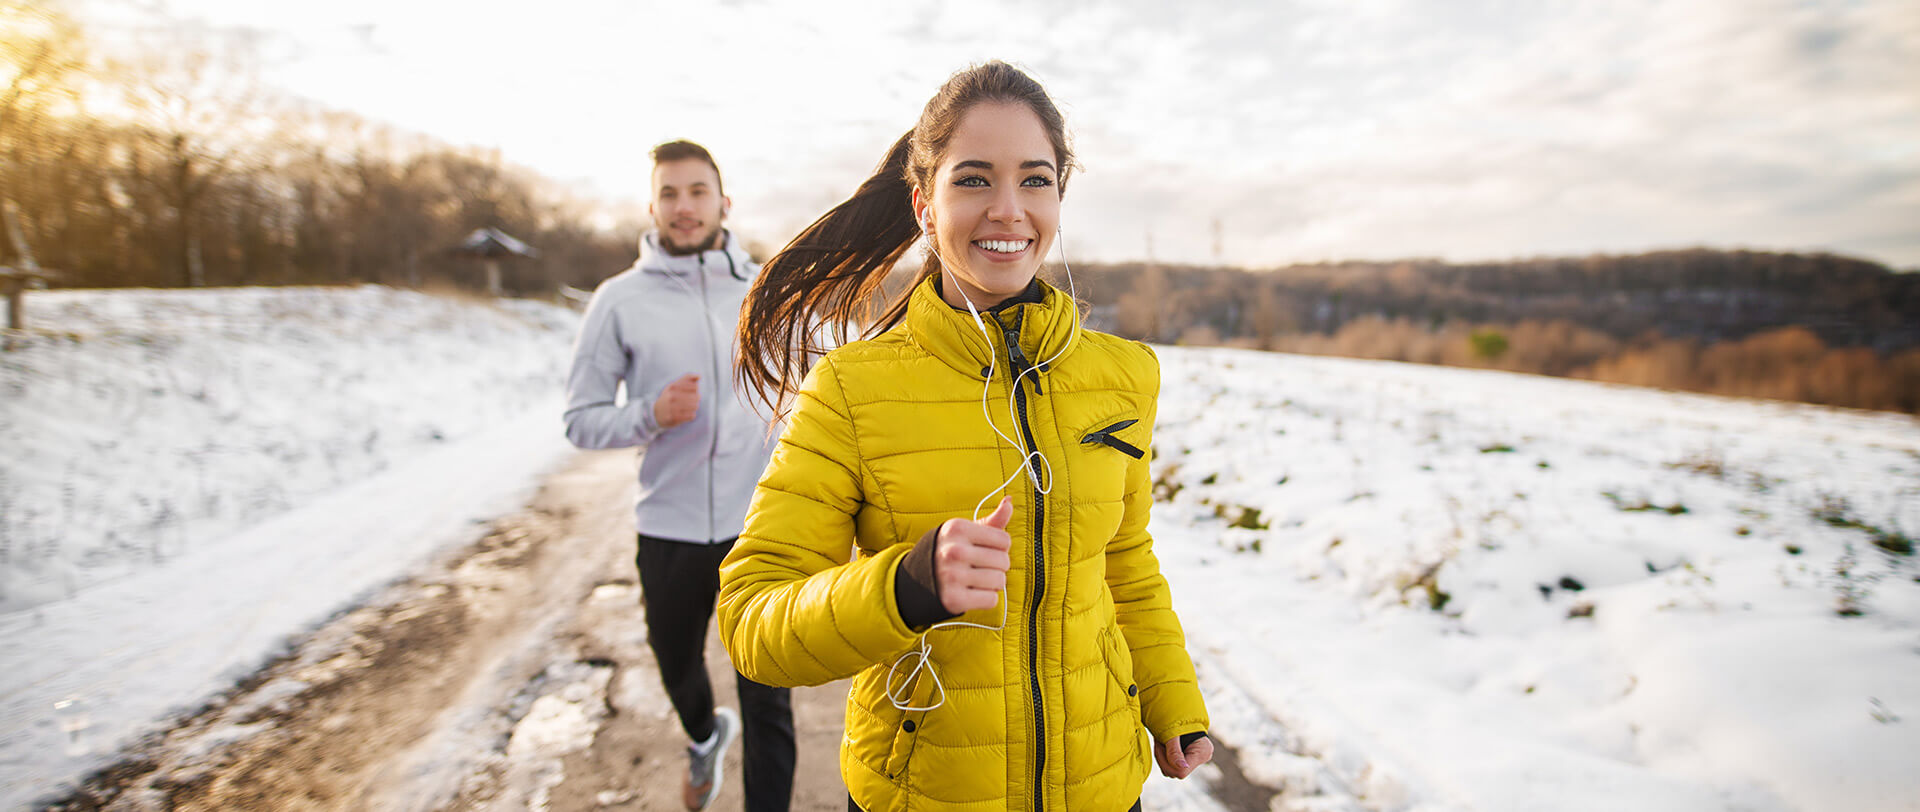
994 204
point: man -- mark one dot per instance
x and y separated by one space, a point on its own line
665 329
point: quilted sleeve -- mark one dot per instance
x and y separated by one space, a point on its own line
1170 700
795 608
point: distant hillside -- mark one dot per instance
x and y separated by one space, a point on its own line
1697 293
1814 327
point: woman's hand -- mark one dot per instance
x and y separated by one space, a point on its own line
1176 764
971 560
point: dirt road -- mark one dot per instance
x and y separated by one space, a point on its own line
512 675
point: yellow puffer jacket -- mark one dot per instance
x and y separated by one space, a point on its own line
888 440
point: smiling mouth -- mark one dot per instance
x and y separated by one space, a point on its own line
1003 246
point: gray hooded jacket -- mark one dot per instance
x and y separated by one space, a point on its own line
665 317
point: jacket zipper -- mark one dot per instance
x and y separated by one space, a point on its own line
1019 366
1105 437
713 415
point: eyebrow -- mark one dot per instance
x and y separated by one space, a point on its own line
973 164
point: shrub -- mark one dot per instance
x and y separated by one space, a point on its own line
1488 344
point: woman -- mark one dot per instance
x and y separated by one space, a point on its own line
999 661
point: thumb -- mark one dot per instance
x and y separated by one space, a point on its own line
1001 515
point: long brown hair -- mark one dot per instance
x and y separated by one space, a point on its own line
830 273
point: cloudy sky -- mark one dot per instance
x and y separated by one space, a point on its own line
1254 133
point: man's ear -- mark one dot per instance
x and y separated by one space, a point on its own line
726 206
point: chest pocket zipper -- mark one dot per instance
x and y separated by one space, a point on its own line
1105 437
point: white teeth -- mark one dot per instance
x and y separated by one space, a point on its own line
1003 246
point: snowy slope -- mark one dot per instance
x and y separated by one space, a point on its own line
1638 591
156 422
191 477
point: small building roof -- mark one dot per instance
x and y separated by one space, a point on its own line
9 272
492 242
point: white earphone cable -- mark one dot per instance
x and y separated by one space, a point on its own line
899 686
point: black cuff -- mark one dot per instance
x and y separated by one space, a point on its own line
915 587
1187 739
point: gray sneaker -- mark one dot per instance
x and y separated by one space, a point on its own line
704 772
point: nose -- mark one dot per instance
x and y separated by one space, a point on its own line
1005 206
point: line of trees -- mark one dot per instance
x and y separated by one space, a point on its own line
171 166
1809 327
1699 293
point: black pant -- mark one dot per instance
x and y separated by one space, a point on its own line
853 807
678 582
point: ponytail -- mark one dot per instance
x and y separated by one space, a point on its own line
826 276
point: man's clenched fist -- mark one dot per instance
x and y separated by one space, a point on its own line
678 403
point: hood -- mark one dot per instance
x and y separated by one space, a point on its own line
729 258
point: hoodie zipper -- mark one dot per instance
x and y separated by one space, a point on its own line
1019 365
713 414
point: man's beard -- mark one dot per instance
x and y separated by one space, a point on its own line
677 250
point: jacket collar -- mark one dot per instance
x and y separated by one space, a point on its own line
729 261
1045 328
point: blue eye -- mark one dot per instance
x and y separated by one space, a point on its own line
1037 180
970 180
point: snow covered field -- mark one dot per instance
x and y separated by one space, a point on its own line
1473 590
1406 588
153 423
191 477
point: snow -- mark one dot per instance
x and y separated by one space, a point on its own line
1447 589
561 722
1690 659
195 477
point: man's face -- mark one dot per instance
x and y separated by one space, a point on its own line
687 207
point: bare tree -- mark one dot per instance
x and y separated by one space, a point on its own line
197 94
191 174
1143 309
42 60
